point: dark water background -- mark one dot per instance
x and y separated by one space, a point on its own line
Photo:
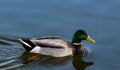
36 18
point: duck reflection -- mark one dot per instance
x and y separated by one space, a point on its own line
48 61
79 63
43 60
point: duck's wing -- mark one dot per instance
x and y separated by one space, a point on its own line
50 42
44 42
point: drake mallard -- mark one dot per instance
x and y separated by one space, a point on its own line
56 46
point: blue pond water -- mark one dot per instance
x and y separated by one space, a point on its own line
37 18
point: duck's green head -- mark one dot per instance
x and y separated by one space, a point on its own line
81 35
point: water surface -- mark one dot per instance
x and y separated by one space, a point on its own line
37 18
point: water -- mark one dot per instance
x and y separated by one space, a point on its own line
37 18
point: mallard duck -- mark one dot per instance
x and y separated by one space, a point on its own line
56 46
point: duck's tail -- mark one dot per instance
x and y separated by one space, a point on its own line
27 44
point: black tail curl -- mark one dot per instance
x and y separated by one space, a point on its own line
27 44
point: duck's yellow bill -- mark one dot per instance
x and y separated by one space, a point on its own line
90 39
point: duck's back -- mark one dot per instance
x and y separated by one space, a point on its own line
52 42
